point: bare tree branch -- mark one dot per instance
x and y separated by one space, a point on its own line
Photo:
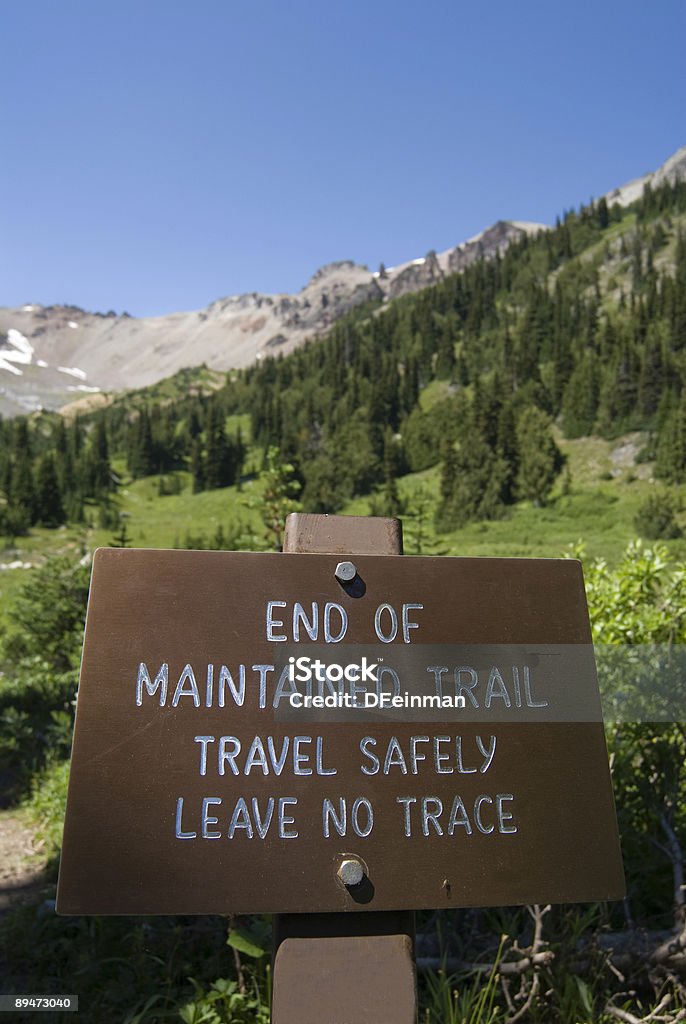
654 1016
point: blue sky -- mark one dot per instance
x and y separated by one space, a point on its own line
159 154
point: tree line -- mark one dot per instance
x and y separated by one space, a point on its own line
583 324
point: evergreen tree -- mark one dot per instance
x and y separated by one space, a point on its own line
99 469
678 314
506 446
141 459
23 496
602 214
221 463
277 500
198 467
539 457
653 373
670 461
49 508
121 538
22 439
580 401
473 482
391 504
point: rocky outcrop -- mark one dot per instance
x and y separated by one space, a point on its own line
671 170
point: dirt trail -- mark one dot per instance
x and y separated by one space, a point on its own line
22 863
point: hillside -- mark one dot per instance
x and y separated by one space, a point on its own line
52 354
513 407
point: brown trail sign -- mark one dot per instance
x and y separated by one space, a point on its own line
198 788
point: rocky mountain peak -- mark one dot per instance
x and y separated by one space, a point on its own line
671 170
335 270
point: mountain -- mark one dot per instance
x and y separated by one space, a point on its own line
576 333
53 354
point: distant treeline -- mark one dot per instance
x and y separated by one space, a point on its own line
51 472
584 324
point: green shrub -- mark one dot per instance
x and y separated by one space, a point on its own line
656 518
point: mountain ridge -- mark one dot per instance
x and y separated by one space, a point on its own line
55 354
46 344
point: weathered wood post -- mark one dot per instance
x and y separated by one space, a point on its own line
353 967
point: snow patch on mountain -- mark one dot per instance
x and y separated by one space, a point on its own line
73 371
18 350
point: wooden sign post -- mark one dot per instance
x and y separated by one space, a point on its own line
355 967
207 779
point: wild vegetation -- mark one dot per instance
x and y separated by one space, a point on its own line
490 411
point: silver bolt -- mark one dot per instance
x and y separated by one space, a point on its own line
345 572
350 871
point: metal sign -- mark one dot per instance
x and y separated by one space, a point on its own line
206 779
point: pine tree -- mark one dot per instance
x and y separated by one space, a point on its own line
506 447
121 538
277 500
49 508
23 496
602 214
220 461
99 469
198 467
22 439
670 460
64 462
580 400
391 503
678 316
652 379
141 459
539 457
473 483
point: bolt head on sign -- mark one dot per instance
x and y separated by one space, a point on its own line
206 778
345 572
351 871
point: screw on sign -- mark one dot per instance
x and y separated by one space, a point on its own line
201 764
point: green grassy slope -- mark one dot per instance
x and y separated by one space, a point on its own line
595 499
602 497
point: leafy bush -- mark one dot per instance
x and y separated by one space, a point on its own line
656 518
223 1003
39 657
